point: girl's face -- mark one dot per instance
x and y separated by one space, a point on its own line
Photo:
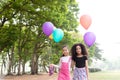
78 50
65 51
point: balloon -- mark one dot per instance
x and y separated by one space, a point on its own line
85 21
51 37
58 35
54 28
47 28
51 70
89 38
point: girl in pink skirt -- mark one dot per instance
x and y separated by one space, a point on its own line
64 65
80 60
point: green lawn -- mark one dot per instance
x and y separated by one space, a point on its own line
107 75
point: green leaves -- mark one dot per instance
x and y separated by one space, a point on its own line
21 26
8 36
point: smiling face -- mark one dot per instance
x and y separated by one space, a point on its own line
65 51
78 50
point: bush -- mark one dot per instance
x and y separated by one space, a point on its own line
94 69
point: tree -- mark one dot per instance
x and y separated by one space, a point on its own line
22 36
30 15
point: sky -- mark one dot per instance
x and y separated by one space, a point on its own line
105 15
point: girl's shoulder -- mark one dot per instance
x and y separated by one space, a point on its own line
85 56
65 57
79 57
70 57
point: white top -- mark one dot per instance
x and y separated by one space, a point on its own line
64 59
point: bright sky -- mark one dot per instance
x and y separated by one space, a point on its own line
105 25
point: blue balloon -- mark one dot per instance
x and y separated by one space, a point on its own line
58 35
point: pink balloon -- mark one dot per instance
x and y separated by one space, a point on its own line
89 38
85 21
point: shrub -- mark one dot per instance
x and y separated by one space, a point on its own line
94 69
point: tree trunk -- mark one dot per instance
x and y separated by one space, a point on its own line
9 67
14 68
20 59
11 57
19 66
45 69
2 68
23 67
34 62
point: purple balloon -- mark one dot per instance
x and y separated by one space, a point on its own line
47 28
89 38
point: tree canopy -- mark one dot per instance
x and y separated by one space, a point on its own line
21 35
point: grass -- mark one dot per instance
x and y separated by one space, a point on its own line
103 75
107 75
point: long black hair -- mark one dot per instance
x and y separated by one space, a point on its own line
83 50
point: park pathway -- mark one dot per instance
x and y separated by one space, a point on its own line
30 77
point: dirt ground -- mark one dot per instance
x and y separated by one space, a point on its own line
44 76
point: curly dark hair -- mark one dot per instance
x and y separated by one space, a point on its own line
73 50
